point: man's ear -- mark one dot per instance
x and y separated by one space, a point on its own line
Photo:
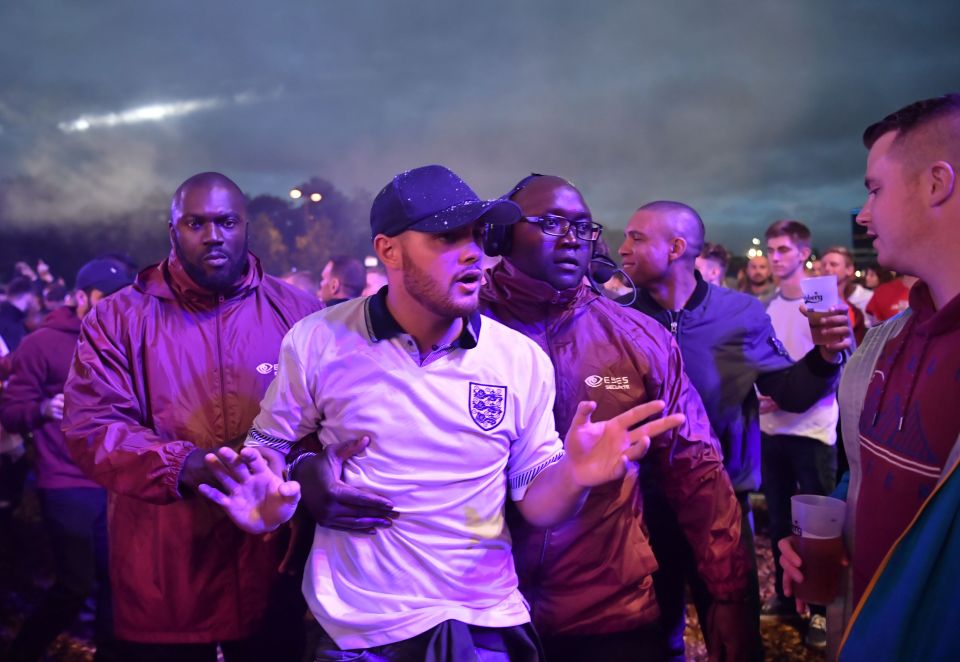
942 181
388 251
805 253
678 249
334 285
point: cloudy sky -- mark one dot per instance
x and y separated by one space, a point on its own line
749 111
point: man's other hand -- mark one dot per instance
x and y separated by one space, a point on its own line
332 502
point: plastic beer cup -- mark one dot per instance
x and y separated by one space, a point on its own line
818 531
819 293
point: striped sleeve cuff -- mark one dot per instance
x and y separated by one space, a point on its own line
519 482
257 438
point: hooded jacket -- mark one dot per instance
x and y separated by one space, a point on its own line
39 370
592 574
164 367
728 345
909 609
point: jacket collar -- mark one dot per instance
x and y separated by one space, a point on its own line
507 285
169 280
382 325
700 292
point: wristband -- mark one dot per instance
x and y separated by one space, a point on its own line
292 466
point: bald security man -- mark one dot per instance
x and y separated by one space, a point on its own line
166 369
728 346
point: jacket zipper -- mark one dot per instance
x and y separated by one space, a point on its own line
223 395
675 317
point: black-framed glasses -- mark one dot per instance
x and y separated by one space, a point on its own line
558 226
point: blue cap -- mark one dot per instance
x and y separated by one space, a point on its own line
103 274
434 199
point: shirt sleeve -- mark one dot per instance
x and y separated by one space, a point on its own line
288 412
539 444
795 387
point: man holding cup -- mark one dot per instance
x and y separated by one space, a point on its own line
898 398
798 450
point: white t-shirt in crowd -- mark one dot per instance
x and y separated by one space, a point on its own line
449 437
820 421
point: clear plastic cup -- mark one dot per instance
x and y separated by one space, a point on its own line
818 530
819 293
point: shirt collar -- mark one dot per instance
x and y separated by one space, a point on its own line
381 325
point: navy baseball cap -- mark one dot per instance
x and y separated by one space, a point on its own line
434 199
103 274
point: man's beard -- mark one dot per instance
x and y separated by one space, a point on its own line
220 281
431 295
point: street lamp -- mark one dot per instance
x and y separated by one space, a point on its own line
296 193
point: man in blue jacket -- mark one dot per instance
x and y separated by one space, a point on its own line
729 348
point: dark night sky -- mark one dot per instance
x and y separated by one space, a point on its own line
749 111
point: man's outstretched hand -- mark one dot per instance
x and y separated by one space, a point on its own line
601 451
253 495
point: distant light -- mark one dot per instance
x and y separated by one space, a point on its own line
752 253
756 241
857 273
370 262
809 264
315 197
153 113
295 193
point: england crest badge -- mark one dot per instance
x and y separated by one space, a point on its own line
487 404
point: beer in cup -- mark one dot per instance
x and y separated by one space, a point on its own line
818 534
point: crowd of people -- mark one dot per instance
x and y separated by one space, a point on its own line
500 443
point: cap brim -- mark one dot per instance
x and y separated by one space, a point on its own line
495 212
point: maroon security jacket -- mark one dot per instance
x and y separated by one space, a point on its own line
164 367
39 370
592 574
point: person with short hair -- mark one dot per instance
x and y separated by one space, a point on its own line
731 353
343 278
712 263
166 369
74 507
799 450
898 404
759 279
592 597
457 414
